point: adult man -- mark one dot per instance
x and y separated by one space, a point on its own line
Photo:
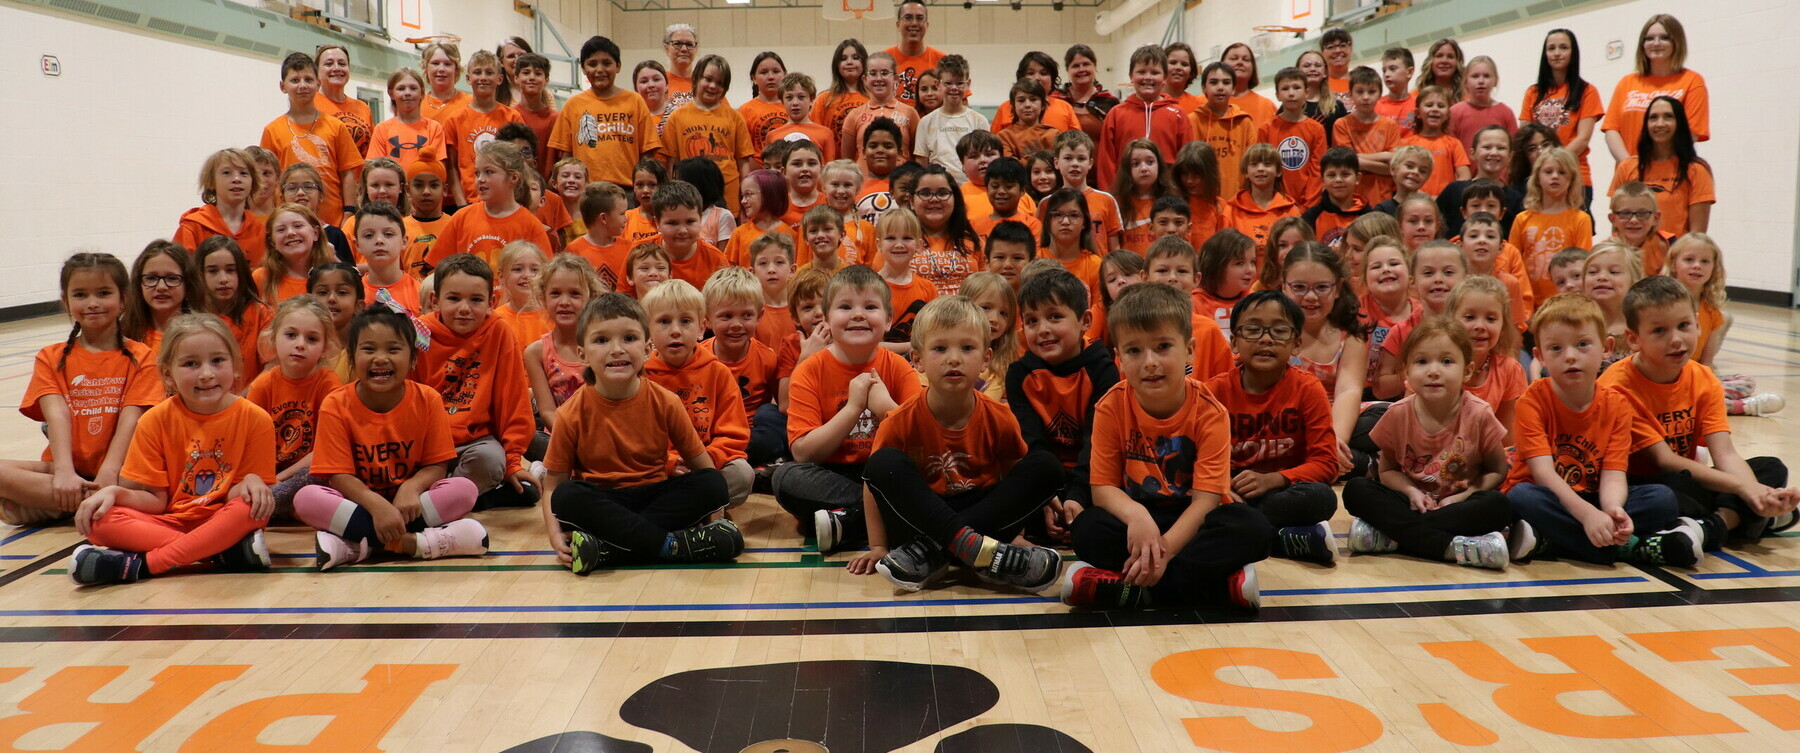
911 56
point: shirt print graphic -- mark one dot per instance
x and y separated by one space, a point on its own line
293 430
1447 470
1551 113
612 126
952 468
396 147
1575 460
1294 153
461 382
205 468
96 399
1173 459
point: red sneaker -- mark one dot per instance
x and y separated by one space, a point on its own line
1086 586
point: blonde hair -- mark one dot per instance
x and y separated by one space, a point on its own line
1412 151
947 313
507 156
1712 292
678 294
1006 346
1506 340
275 267
484 58
731 285
1382 241
899 216
1371 226
209 192
510 253
449 49
184 326
573 264
301 304
1534 193
841 166
773 238
1634 265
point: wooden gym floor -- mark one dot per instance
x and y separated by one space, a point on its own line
784 651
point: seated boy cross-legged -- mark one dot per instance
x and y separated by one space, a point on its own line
1574 437
1683 403
1161 531
951 476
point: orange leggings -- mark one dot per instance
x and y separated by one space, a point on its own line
169 542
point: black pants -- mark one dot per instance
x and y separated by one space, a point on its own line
1231 537
1425 535
638 519
1304 504
1696 501
768 435
805 488
1364 453
911 508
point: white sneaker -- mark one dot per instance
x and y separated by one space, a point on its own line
538 470
1485 551
1367 539
464 537
1763 404
330 550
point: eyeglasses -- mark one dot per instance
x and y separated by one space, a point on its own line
1634 216
1279 333
299 186
683 45
1338 46
1300 289
933 194
949 85
1066 216
166 281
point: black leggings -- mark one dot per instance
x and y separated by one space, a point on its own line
1425 534
1304 504
1697 501
638 519
911 508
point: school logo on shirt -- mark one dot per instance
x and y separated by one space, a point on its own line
460 381
1575 460
294 431
871 206
1294 152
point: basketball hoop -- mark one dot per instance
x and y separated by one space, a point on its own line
855 10
434 39
1297 31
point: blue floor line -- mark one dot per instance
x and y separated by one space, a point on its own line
1745 565
19 535
1455 586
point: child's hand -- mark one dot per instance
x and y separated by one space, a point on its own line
254 491
408 505
520 478
878 388
1250 484
1346 460
559 541
102 479
858 391
66 489
815 341
1622 525
1454 498
1419 501
1059 515
1763 500
93 508
1149 552
390 525
864 564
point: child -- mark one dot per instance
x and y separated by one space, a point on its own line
1339 205
806 295
1575 437
797 96
1479 109
1682 182
567 178
1118 271
339 287
302 341
648 265
1443 456
1437 266
1481 247
1371 133
881 168
1028 133
408 136
231 295
502 216
1486 190
268 181
1201 549
1141 181
1387 304
843 185
707 389
605 245
1400 102
885 101
301 184
972 506
1608 272
1357 237
1479 303
1680 402
801 170
676 208
191 489
1171 262
1297 139
901 238
536 105
227 181
823 230
1411 169
474 363
977 151
941 129
1046 175
164 284
1420 222
1010 246
1636 222
708 127
1225 271
838 398
1260 203
630 131
1052 388
383 180
1565 269
734 304
1283 448
1222 125
1068 237
442 62
1004 198
1552 220
1449 158
425 181
999 303
380 239
519 306
553 361
1197 183
97 375
764 197
772 265
295 244
475 124
306 136
1074 158
1149 114
1170 216
764 112
649 174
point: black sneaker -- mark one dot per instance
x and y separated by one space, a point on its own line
835 528
249 555
718 541
1032 568
1676 547
1712 531
914 564
1306 543
505 496
91 566
588 553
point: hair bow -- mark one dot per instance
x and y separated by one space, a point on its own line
421 335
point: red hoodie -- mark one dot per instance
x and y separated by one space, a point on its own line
204 222
1133 118
709 392
483 383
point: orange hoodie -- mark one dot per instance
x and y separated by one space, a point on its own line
709 392
204 222
1243 213
483 383
1133 118
1229 136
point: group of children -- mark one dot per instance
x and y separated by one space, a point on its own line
969 358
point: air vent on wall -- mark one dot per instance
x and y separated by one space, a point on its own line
167 26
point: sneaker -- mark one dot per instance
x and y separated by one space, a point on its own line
538 470
505 496
828 528
1242 588
1763 404
15 514
1522 543
465 537
330 550
718 541
1782 522
250 554
1487 551
589 552
1306 543
1032 568
915 564
1712 532
90 566
1088 587
1676 547
1367 539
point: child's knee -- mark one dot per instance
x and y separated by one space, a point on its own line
482 462
568 497
316 505
884 464
453 497
1653 502
1242 520
739 477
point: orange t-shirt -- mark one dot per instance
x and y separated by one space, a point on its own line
1214 308
1505 382
288 287
708 392
1229 135
756 373
1633 94
946 267
96 387
406 143
908 67
1583 443
325 145
542 123
293 404
405 292
204 222
850 136
1711 319
821 387
1205 217
859 242
821 136
1653 253
719 134
984 225
527 326
620 444
1378 137
955 461
1404 112
413 258
1212 351
1261 109
830 111
481 377
1681 413
1137 233
1538 236
473 231
556 218
441 109
976 204
1243 214
737 249
353 113
1299 147
1103 215
196 458
608 260
1160 461
1447 154
383 450
1085 266
1019 141
909 299
639 227
775 325
609 134
1671 197
699 266
1286 430
1550 110
247 331
467 131
761 119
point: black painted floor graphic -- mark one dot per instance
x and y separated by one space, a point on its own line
814 706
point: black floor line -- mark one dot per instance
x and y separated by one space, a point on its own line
37 564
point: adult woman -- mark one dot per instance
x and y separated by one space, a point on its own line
1667 163
651 81
846 93
509 51
1058 114
681 42
1243 64
1084 93
1443 67
953 249
1661 71
334 74
1531 140
1562 100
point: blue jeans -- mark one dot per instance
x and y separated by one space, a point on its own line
768 435
1652 508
